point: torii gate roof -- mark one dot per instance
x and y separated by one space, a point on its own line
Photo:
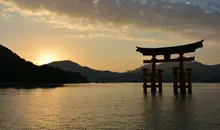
188 48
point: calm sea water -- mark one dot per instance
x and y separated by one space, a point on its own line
109 106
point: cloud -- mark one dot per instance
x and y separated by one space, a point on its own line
194 19
119 36
5 14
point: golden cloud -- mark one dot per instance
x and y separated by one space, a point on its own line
107 18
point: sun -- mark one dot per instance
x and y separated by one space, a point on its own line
46 58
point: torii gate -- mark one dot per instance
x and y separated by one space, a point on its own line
178 72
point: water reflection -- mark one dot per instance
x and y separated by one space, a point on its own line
160 113
152 112
183 112
121 106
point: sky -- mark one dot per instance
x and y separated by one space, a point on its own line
103 34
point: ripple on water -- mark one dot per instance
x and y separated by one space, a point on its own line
109 106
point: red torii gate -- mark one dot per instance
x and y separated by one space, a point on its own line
178 72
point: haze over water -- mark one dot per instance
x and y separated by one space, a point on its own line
109 106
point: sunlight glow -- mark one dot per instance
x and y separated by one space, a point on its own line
46 58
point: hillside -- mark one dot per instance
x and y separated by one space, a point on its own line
201 72
91 74
17 70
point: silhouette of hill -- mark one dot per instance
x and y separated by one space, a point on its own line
201 72
91 74
15 70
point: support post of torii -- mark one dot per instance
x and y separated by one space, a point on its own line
160 80
153 74
189 86
182 74
145 79
175 80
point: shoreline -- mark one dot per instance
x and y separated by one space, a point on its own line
30 85
4 85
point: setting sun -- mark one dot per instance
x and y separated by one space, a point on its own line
46 58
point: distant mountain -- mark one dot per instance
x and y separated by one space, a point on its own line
14 69
201 72
91 74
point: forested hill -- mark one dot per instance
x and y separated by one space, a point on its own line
14 69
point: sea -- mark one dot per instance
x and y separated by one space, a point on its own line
115 106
